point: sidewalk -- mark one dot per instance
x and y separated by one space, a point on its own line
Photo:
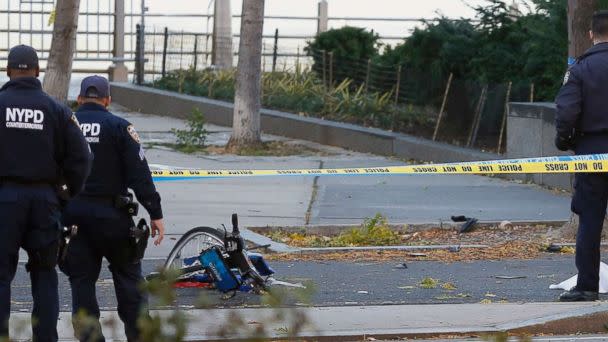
354 322
297 201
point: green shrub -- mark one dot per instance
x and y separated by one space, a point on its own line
303 93
374 232
196 134
347 44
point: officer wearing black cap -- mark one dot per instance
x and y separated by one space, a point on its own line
43 156
103 213
582 126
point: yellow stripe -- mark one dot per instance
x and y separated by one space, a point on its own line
579 164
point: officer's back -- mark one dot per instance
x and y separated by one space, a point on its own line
33 133
105 133
104 214
44 160
582 103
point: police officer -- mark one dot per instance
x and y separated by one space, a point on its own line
41 148
102 215
582 126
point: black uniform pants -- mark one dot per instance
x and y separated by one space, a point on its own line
29 219
102 232
589 202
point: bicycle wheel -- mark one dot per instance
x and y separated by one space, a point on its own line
187 249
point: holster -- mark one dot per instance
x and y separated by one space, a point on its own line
67 234
127 203
139 236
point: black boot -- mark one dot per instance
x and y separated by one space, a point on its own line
576 295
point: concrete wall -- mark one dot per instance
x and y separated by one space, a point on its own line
352 137
531 133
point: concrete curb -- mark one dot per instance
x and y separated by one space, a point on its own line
392 321
349 136
254 234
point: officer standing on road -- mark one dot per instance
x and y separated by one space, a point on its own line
44 160
104 214
582 126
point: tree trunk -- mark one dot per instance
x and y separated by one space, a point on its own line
246 119
59 66
579 24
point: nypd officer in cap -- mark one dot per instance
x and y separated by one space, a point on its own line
582 126
104 213
44 160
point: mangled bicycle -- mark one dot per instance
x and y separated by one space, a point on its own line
210 258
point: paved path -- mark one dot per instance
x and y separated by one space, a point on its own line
370 283
291 201
356 322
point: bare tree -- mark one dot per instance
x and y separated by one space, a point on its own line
59 66
247 103
579 23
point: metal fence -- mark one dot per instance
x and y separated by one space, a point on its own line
28 22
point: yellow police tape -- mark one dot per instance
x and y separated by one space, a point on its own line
561 164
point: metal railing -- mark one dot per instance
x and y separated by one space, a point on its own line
27 22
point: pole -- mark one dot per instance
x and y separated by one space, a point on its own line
139 65
181 49
504 117
443 103
397 85
195 48
118 71
532 92
142 43
393 125
274 50
221 54
165 41
324 69
367 72
477 119
323 17
331 69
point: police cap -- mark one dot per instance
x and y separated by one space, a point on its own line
22 57
95 87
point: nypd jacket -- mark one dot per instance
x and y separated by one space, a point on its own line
582 102
40 141
119 162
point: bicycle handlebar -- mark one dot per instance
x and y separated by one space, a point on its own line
235 223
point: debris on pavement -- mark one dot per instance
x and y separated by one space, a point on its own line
505 224
459 218
468 225
428 283
554 248
509 277
454 249
570 283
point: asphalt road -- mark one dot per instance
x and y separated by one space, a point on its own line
354 283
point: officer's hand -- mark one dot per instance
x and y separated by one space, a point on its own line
158 228
563 143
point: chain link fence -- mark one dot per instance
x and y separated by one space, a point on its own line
458 111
